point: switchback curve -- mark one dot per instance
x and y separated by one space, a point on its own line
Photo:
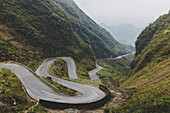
38 90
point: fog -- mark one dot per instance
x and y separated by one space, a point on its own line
115 12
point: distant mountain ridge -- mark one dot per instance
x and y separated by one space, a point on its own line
124 33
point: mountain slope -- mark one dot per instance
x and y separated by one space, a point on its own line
151 64
97 36
37 29
153 44
12 95
150 74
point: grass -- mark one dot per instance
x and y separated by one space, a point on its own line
150 74
154 101
59 68
35 30
94 83
11 49
117 69
152 93
13 99
60 88
12 96
38 109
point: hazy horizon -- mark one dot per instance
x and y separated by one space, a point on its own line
116 12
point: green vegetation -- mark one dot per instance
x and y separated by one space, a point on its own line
153 101
38 109
116 69
33 30
59 68
94 83
150 74
60 88
12 97
10 49
152 63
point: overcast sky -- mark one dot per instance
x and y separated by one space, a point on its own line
115 12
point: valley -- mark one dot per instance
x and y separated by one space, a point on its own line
55 59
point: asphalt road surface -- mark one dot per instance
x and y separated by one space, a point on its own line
92 73
38 90
118 57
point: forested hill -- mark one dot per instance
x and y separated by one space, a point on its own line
150 74
32 30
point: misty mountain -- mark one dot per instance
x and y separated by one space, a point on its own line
124 33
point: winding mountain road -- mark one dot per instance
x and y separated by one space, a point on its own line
133 53
92 73
38 90
89 94
71 67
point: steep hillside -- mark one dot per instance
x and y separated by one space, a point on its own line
151 65
153 44
32 30
12 96
150 74
11 49
102 43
